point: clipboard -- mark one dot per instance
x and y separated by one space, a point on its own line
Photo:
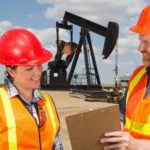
85 129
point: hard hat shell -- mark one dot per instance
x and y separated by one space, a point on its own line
20 47
143 24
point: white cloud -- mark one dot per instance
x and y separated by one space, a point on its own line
4 25
97 10
48 37
128 44
127 67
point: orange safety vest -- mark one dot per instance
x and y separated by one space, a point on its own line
18 129
137 117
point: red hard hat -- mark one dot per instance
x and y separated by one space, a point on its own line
20 47
143 25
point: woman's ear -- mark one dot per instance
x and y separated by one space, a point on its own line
11 72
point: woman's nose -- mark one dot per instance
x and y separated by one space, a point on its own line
38 70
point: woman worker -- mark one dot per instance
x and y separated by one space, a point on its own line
28 117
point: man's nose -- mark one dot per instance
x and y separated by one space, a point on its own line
141 47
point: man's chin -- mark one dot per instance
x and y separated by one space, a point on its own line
146 63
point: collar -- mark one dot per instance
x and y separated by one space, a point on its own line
148 71
12 91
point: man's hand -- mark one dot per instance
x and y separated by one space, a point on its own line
119 140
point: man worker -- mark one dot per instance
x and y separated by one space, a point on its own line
135 108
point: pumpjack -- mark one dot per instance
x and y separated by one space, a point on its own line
57 75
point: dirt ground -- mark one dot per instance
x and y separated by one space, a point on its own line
66 104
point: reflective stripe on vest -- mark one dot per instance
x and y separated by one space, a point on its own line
51 113
12 139
137 127
135 81
137 120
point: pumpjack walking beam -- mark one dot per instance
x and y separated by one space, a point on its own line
110 33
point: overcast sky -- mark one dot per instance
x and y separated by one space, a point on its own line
40 16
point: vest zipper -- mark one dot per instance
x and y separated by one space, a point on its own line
36 107
39 135
38 128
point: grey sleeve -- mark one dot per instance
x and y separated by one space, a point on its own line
122 107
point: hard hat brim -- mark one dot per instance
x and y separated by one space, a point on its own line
46 56
139 30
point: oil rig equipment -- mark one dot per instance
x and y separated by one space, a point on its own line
59 76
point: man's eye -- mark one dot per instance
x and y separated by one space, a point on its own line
147 43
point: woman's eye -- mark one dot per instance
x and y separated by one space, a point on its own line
29 68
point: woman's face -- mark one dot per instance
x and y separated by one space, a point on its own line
27 77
